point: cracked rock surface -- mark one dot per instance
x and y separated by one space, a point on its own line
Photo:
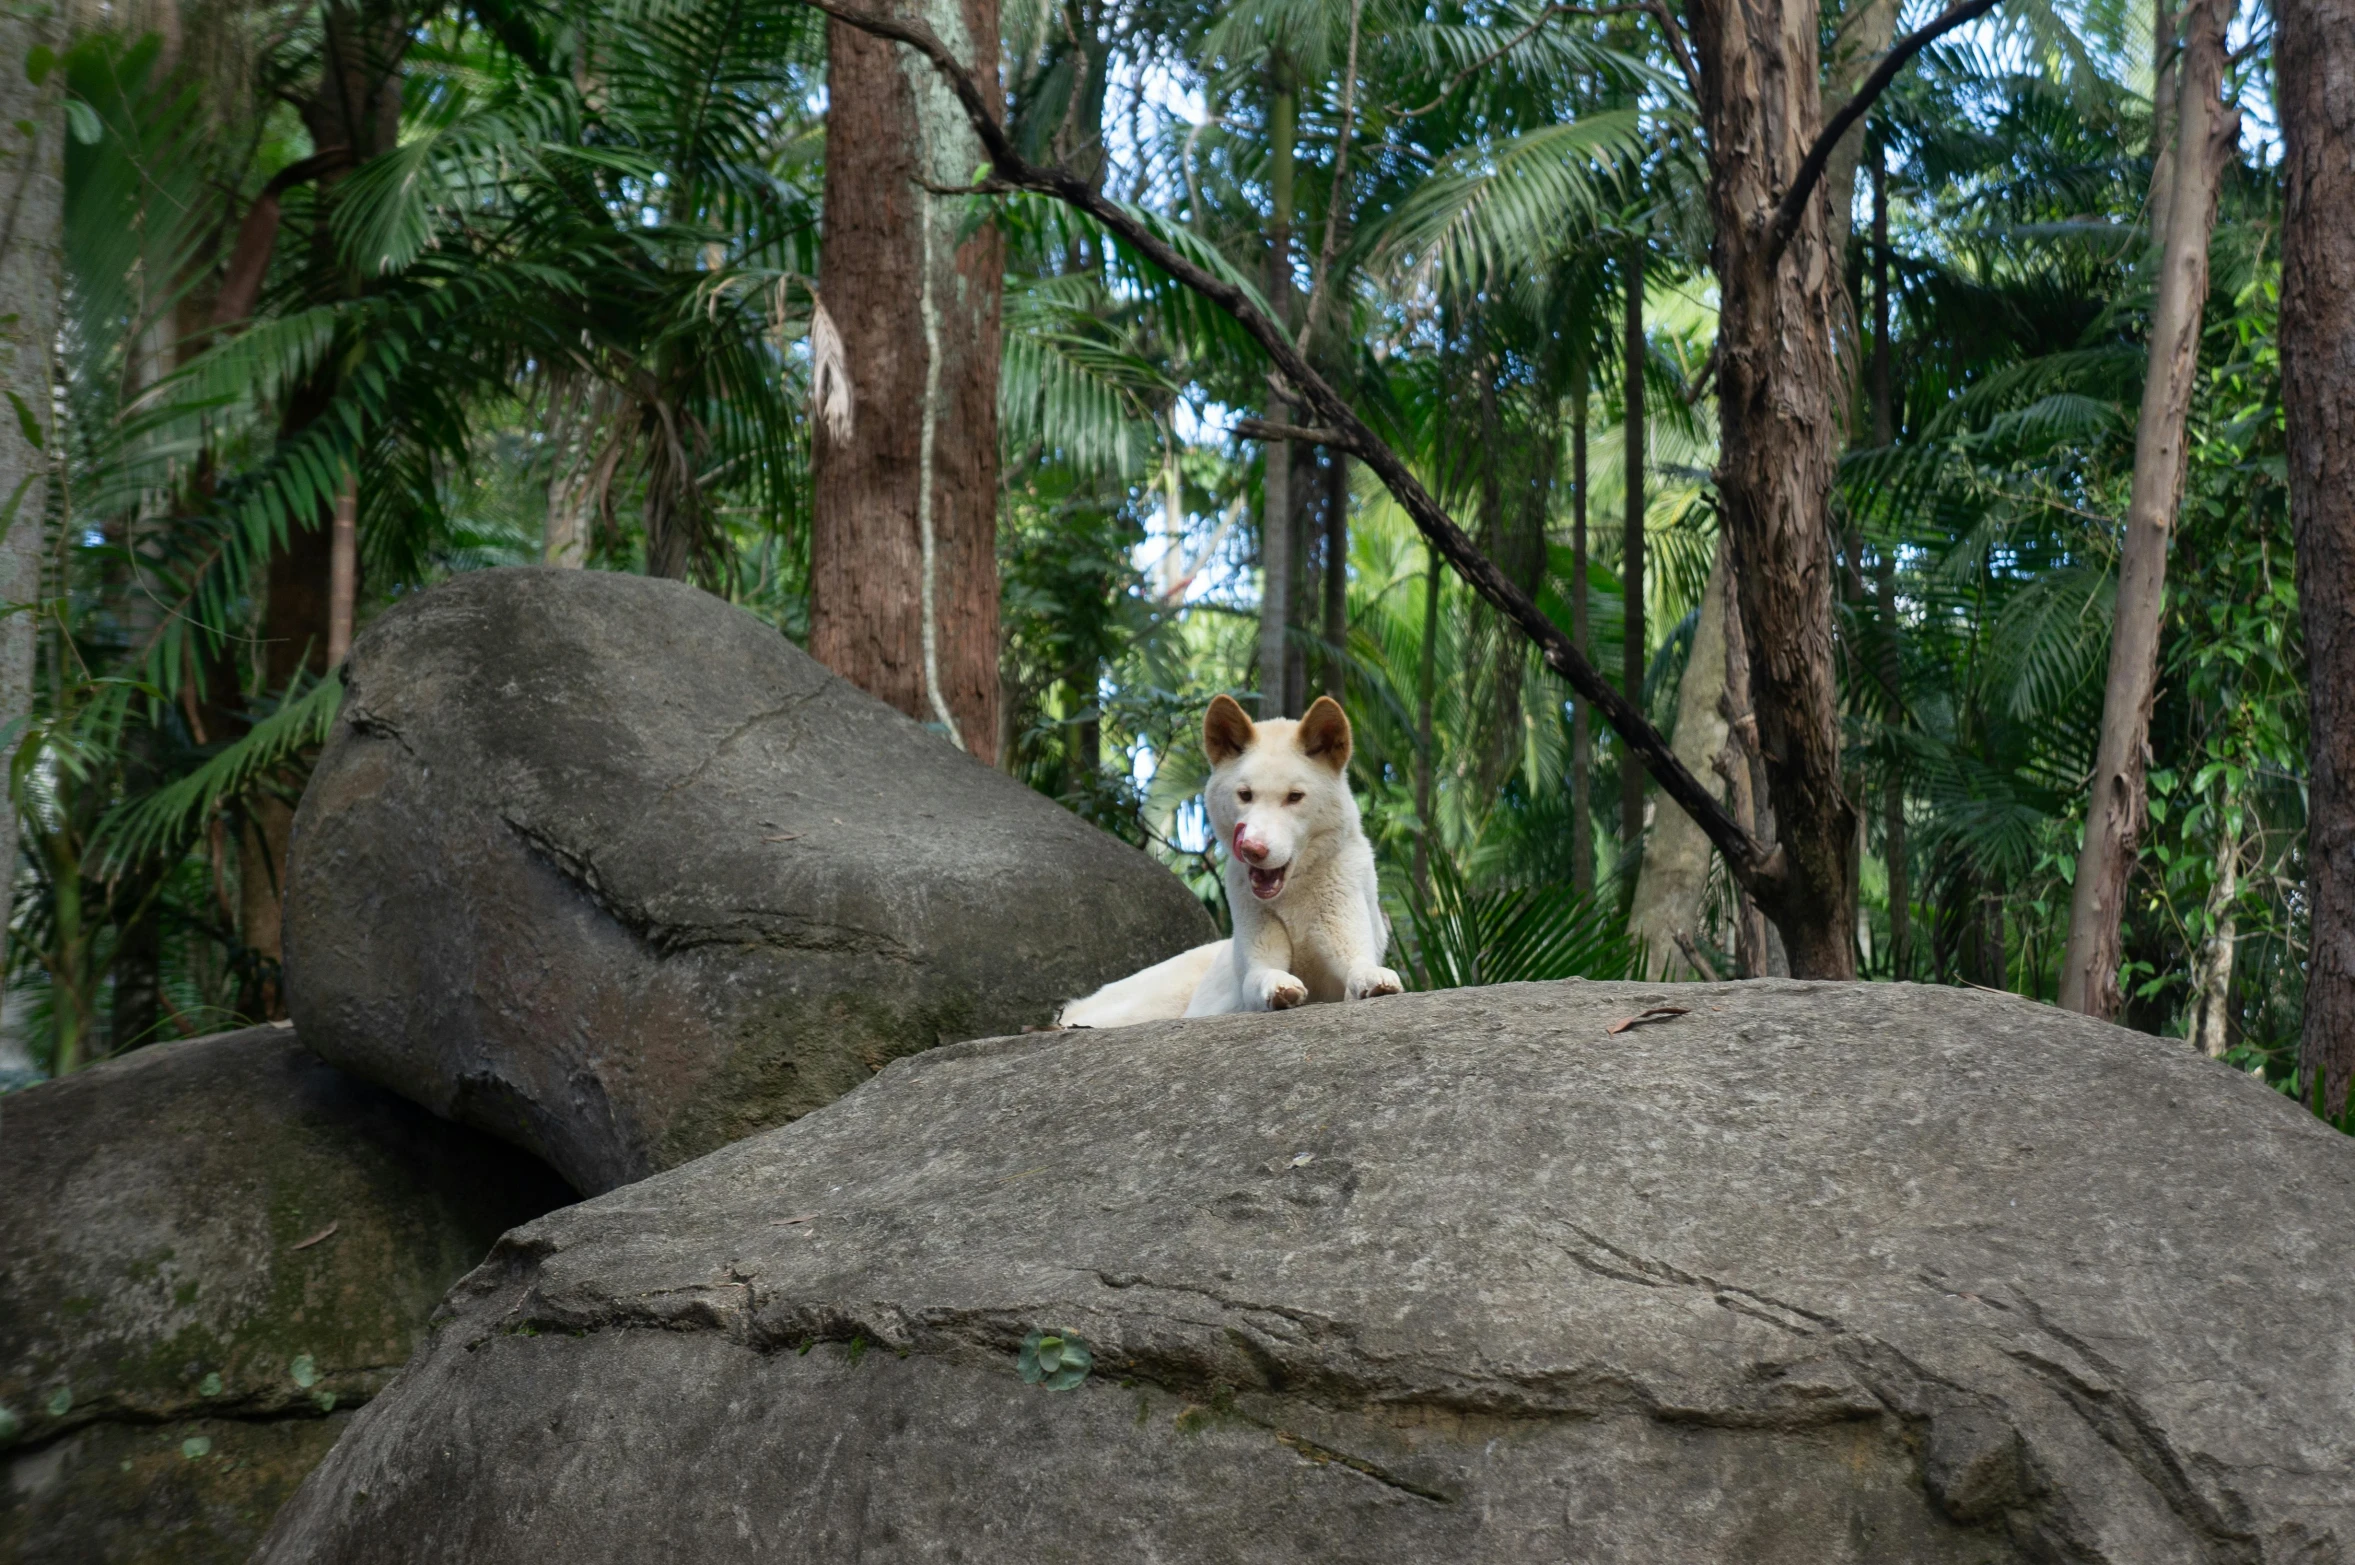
210 1252
607 867
1814 1273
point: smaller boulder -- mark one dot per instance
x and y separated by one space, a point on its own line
210 1253
608 867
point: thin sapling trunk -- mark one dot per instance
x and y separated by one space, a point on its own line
2207 130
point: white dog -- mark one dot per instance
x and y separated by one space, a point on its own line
1300 877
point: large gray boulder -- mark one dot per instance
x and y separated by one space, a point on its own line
605 866
210 1253
1811 1273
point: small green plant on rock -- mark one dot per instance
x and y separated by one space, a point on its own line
1057 1358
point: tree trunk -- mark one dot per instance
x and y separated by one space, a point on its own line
2211 1028
1275 569
1525 559
1277 566
343 570
295 623
1863 36
355 106
2165 58
1889 663
2207 132
1675 871
1779 426
1300 592
1894 852
1582 739
32 195
177 298
1491 736
1879 384
2314 57
577 427
1631 550
903 537
1739 765
564 536
1336 660
1516 476
298 633
1993 968
1857 46
1426 680
1084 749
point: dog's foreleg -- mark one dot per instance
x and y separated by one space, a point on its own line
1263 964
1368 940
1220 993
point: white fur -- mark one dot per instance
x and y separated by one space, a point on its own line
1320 934
1160 991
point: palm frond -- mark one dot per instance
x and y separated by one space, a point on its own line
1500 211
1512 934
166 821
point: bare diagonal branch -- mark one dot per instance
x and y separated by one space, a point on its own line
1760 871
1793 206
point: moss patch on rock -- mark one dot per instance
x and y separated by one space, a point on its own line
226 1238
189 1492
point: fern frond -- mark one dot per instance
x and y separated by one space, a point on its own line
166 821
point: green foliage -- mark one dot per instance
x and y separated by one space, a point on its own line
1057 1360
576 294
556 280
169 819
1507 934
2022 284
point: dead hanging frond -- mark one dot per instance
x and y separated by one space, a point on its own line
616 430
682 535
830 389
830 401
597 494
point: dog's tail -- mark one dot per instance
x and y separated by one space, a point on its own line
1159 993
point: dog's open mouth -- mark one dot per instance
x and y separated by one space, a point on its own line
1266 883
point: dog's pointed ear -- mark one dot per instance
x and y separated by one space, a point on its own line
1226 731
1324 734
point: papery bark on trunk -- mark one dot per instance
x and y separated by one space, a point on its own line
903 538
1780 416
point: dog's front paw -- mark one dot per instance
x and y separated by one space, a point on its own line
1367 982
1280 991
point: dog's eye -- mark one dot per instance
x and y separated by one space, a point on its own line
1242 795
1294 797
